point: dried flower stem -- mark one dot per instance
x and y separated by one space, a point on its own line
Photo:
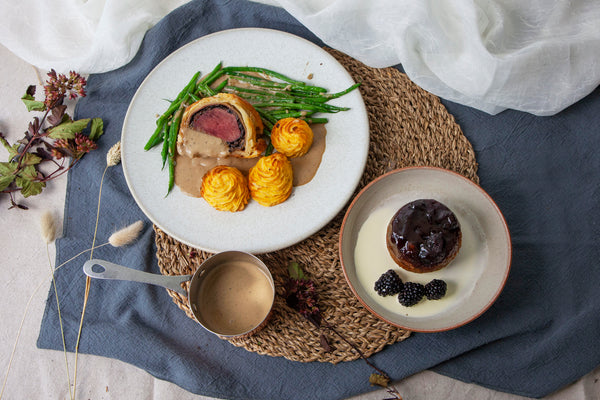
62 331
12 354
48 231
112 158
301 296
360 353
88 282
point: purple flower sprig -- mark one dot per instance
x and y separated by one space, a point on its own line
58 86
55 139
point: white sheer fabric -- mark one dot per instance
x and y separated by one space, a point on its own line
538 56
83 35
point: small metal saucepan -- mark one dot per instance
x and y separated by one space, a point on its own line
231 294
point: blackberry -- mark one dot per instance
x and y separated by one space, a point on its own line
388 284
436 289
411 294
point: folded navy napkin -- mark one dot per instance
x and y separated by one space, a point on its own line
541 334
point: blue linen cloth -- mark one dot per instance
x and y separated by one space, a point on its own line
540 335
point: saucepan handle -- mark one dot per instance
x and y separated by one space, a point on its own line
101 269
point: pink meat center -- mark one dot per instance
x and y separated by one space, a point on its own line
217 121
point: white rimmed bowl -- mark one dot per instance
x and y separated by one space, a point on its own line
475 277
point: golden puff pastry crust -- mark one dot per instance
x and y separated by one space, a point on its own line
292 137
221 125
225 188
271 180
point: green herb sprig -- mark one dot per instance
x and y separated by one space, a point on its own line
54 139
274 95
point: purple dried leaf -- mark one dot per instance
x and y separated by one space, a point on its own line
56 117
325 343
31 90
61 152
16 205
42 153
34 126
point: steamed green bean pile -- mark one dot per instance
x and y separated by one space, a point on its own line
273 95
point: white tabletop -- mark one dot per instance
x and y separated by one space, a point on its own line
25 279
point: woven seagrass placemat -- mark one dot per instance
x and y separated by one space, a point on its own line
408 127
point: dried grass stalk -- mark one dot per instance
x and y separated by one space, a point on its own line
126 235
48 227
113 157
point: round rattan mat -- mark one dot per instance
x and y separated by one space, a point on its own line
408 127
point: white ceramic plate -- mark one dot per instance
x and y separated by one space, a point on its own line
256 229
475 277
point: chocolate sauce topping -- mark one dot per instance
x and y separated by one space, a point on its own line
425 231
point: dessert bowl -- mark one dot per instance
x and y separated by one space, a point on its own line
475 277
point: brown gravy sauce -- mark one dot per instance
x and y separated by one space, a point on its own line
234 298
195 144
190 170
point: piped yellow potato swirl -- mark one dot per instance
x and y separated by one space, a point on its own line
225 188
292 137
271 180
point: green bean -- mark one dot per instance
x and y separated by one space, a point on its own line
175 104
273 93
325 107
173 131
274 75
270 100
171 176
343 92
258 98
238 89
190 85
302 106
252 77
277 86
269 149
207 80
164 153
321 106
215 74
273 118
267 119
266 98
295 114
258 81
315 120
156 137
167 114
205 91
221 85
